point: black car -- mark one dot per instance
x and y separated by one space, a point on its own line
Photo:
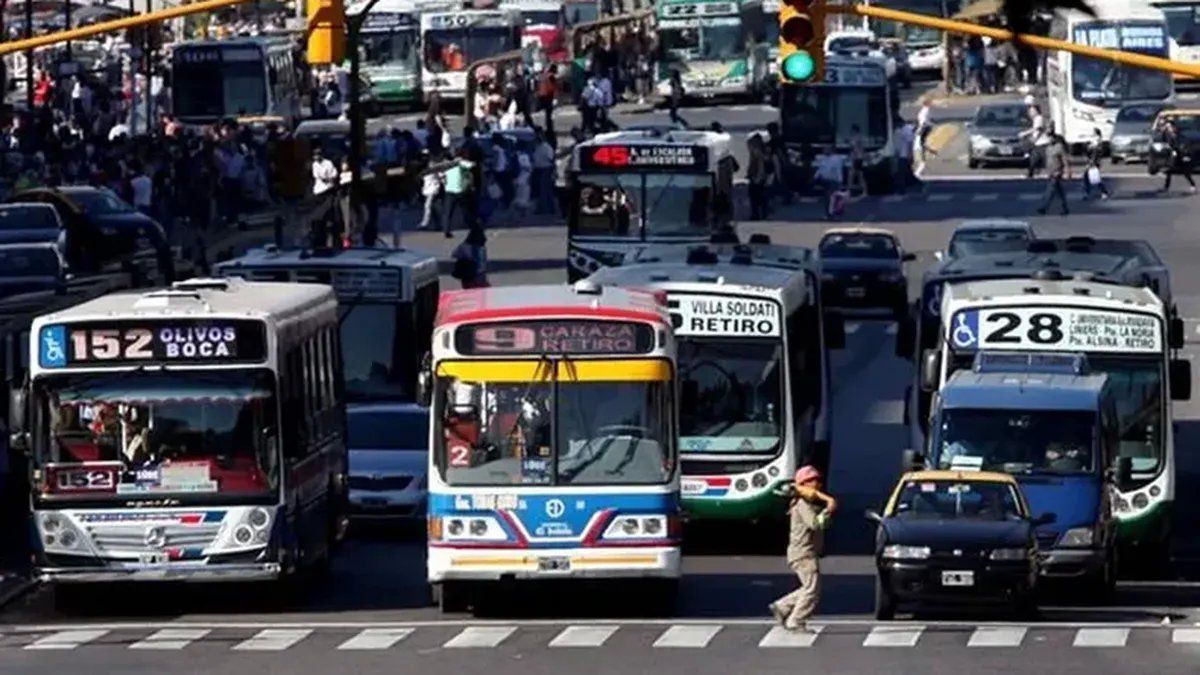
863 268
101 227
951 537
1162 155
31 268
996 134
1130 140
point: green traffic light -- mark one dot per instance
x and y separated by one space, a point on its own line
798 66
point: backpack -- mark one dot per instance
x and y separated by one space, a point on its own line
464 268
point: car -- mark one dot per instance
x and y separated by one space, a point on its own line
32 268
956 537
863 267
30 223
996 134
389 450
1130 141
1161 156
101 227
988 235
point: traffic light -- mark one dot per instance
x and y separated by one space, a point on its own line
802 41
326 32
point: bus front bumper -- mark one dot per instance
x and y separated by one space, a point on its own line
626 562
171 572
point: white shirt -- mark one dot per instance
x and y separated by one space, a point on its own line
143 190
831 167
923 117
606 92
1038 131
325 176
431 184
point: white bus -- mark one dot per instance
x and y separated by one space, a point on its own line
213 80
1084 93
1183 26
452 41
194 433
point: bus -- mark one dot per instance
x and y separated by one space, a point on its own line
543 25
716 45
628 188
582 11
389 46
193 433
1085 93
553 426
1183 27
1126 333
819 118
213 80
453 40
388 301
754 366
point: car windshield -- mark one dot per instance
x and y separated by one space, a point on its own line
217 89
738 400
201 434
1188 125
957 500
99 202
1002 116
1183 23
372 366
555 433
387 430
1143 114
619 204
976 242
27 218
27 262
859 246
824 116
583 12
714 40
1018 441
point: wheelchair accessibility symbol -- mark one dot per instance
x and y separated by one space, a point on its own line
54 347
965 331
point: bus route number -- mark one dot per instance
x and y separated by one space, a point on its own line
84 479
107 344
1044 328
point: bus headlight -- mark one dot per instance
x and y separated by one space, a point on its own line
636 527
478 528
759 480
1077 537
68 538
259 519
1141 501
455 528
243 535
59 535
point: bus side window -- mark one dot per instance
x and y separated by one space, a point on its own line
295 429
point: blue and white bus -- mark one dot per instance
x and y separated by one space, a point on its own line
553 427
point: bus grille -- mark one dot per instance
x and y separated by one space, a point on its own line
115 539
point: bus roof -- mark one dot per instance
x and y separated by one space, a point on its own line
582 300
275 264
1065 291
403 6
1028 391
715 140
196 298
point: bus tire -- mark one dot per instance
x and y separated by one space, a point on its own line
663 596
451 597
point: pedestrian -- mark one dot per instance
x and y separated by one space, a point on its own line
1092 178
547 91
1038 136
858 161
142 187
457 185
470 259
431 190
757 175
809 513
523 191
829 176
1181 159
906 141
675 99
543 174
1058 168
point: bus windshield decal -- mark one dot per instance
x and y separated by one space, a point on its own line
717 316
574 337
128 342
664 157
1056 329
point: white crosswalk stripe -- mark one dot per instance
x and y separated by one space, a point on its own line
375 638
1101 637
985 197
273 640
1185 636
473 637
687 636
1029 196
67 639
171 638
780 637
997 636
940 197
583 636
893 636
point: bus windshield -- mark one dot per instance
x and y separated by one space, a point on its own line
620 205
216 89
188 434
738 395
390 49
827 115
1183 23
453 49
715 40
1017 441
554 433
1101 82
370 362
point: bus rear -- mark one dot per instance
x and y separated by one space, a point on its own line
552 440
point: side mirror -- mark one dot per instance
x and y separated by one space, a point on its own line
18 436
425 381
906 337
1181 379
1124 471
1044 519
835 331
909 257
873 516
1175 337
911 460
931 369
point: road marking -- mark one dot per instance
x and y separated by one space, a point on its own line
687 636
480 636
1185 636
583 636
171 638
780 637
941 135
67 639
893 636
892 199
1029 196
1101 637
985 197
998 636
273 640
940 197
376 638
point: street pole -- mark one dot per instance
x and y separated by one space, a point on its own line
29 56
149 60
133 82
68 27
357 123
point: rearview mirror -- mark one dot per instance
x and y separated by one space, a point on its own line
1044 519
873 516
835 331
1181 380
425 381
1124 471
931 369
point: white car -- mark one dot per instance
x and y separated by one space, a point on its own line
927 58
389 456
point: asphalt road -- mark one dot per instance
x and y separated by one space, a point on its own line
372 615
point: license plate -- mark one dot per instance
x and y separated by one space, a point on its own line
693 487
156 558
374 502
1005 150
856 292
958 578
554 564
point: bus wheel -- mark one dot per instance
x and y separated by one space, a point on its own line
73 598
451 597
662 596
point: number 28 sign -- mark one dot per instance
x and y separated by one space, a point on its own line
1069 329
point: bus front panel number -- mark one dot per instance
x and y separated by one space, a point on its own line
109 344
1044 328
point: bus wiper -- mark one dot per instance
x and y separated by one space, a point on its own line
351 306
538 378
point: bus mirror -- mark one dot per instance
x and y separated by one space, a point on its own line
931 367
1181 380
18 438
835 331
906 337
1175 333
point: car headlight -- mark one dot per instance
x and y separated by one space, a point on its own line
1077 537
900 552
981 141
1009 554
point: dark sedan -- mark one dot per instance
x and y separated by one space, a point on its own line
953 537
1130 140
31 268
101 228
29 224
863 268
996 134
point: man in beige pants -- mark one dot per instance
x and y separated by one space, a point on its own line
808 521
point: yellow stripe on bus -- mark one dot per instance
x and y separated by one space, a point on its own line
615 370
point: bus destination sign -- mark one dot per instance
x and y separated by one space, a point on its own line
644 156
141 342
565 336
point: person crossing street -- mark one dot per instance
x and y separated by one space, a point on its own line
1058 168
809 515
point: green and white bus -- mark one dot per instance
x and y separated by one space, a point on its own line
718 47
390 51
